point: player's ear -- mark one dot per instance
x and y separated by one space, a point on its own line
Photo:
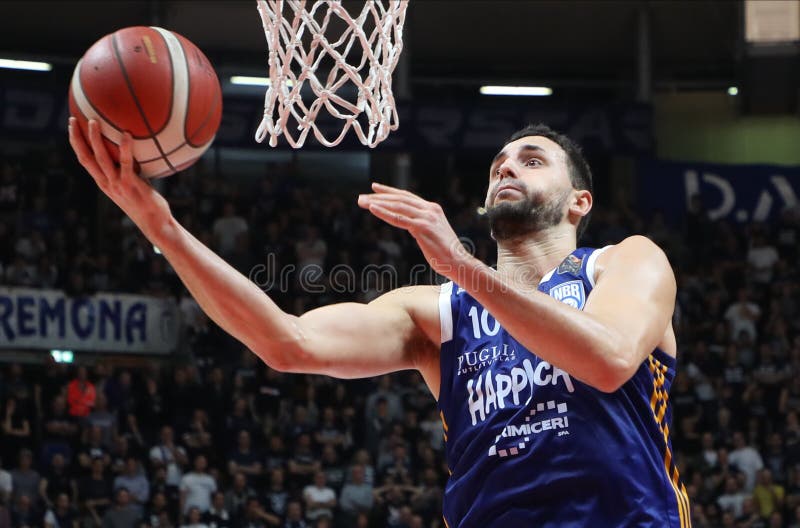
581 203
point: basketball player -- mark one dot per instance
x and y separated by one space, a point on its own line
551 372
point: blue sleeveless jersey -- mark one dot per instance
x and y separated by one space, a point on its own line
527 445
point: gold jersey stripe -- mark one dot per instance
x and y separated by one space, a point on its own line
658 405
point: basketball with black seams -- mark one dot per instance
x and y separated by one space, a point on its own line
154 84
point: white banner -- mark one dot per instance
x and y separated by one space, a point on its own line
106 322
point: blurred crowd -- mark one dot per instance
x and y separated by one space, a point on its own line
212 437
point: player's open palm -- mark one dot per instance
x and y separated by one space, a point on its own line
424 220
143 204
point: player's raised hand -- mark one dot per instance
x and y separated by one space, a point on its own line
136 197
424 220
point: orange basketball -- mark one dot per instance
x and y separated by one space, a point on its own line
154 84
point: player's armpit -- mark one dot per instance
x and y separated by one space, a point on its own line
634 297
397 331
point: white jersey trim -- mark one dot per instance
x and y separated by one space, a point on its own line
547 275
590 263
446 312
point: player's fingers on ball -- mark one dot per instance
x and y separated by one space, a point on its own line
126 158
100 150
78 143
84 154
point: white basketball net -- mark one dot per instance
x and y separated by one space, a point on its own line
365 61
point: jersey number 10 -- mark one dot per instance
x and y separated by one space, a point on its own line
483 323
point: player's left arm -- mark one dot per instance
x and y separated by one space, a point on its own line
634 294
626 317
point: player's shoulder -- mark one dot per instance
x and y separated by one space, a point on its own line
634 246
634 252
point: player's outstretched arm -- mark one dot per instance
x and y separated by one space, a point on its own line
625 318
394 332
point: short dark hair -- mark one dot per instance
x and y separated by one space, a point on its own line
580 174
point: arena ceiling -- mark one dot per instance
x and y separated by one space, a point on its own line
580 43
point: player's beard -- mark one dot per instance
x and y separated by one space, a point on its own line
513 219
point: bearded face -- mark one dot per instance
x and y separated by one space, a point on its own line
524 215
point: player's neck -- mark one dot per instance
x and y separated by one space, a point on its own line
529 258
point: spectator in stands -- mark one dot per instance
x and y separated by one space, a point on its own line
311 249
25 479
197 486
396 462
120 452
94 492
24 513
303 464
255 517
428 500
276 456
276 496
767 495
746 459
329 432
20 272
16 428
104 420
244 460
120 393
227 228
761 257
384 391
743 315
294 515
56 480
182 397
217 516
376 426
151 410
332 467
197 438
319 498
158 514
61 514
60 431
236 497
80 394
356 496
123 514
732 499
775 458
92 448
239 419
432 425
158 484
391 500
169 455
6 484
134 480
194 519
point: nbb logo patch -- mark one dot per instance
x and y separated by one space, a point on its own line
571 293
